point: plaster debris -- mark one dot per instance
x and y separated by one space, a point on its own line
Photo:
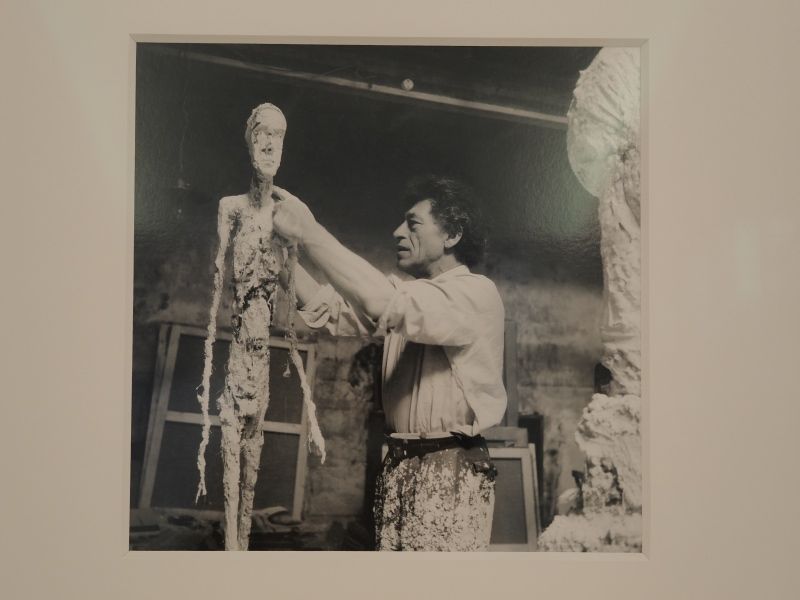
598 533
609 435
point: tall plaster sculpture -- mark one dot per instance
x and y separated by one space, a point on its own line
259 258
603 146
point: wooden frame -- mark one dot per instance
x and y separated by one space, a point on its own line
527 458
168 339
516 437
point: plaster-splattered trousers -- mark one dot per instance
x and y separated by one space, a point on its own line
435 500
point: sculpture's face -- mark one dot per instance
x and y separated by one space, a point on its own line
266 142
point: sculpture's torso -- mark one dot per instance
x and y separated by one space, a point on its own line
256 265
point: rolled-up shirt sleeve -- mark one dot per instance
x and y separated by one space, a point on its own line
433 312
328 310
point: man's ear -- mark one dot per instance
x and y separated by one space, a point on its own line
452 239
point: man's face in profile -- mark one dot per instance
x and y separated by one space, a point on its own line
266 142
420 240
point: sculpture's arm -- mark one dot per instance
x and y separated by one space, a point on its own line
225 220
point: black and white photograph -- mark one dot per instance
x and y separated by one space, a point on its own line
386 297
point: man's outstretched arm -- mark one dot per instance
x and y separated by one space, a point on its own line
306 287
352 276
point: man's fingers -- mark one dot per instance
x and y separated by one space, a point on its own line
288 197
282 195
286 222
278 194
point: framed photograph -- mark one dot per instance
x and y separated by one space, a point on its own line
359 121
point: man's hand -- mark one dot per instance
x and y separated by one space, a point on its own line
290 217
350 275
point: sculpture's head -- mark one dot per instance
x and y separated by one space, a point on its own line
264 134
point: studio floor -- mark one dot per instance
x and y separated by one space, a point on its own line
153 529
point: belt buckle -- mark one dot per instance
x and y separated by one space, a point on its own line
398 448
403 448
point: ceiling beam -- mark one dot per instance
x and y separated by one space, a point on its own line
526 116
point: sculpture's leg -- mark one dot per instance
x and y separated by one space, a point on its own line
252 441
252 358
231 440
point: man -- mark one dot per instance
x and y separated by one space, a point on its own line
442 360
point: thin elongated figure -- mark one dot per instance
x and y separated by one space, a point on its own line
245 221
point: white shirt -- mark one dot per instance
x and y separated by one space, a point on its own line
442 353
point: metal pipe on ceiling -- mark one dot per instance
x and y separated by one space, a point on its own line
496 110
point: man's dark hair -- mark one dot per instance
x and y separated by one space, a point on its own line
455 208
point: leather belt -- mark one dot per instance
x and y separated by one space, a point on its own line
400 448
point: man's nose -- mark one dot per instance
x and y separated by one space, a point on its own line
399 233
